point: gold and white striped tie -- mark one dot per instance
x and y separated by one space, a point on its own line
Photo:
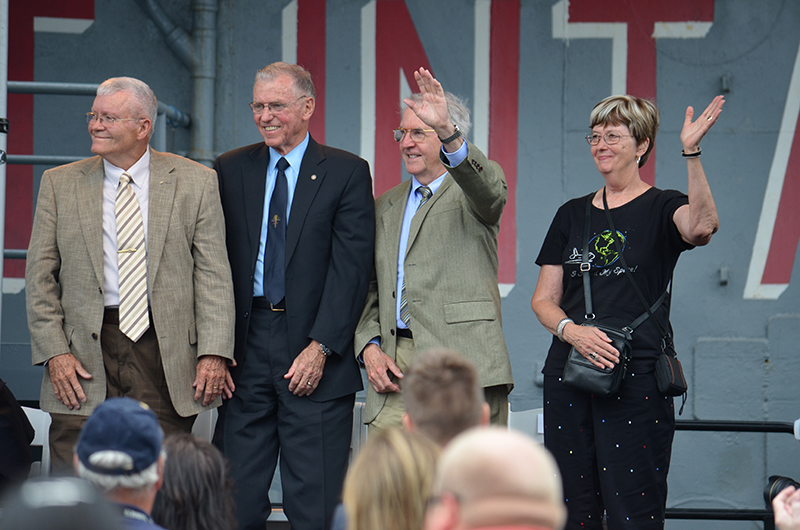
132 262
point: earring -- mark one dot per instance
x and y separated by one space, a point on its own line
638 159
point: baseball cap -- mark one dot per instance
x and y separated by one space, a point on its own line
125 425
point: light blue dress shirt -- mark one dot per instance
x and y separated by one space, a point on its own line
295 158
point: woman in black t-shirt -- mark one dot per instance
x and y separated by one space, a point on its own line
614 452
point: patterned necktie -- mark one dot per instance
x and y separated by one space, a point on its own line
405 314
275 253
131 262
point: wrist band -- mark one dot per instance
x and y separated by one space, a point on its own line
691 155
560 327
453 137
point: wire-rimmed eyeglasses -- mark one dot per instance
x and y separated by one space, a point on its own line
108 120
418 135
610 138
274 108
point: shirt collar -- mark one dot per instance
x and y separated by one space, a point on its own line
434 186
138 171
294 157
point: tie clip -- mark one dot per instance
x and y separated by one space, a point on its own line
126 251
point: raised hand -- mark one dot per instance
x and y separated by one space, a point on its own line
694 131
433 110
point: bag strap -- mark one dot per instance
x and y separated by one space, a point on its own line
648 310
586 267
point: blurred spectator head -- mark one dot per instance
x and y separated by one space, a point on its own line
58 504
443 396
197 489
495 477
120 447
389 482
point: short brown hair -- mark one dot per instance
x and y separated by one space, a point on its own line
442 394
639 115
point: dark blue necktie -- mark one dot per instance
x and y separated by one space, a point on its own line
275 253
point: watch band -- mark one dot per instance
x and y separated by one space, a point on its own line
453 137
325 350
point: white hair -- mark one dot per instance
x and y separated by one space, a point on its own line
457 110
116 460
142 97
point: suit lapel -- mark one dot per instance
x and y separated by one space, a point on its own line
89 191
162 195
311 177
254 186
392 218
422 213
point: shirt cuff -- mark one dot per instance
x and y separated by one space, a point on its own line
458 156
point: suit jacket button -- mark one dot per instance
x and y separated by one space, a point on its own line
94 336
394 295
392 332
246 314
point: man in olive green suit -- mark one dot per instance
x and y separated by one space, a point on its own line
435 276
176 359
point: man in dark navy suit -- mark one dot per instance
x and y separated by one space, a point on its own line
300 227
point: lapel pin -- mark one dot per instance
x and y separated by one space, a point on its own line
313 177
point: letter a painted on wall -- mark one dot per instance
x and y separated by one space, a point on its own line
778 230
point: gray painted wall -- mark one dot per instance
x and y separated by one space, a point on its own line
739 355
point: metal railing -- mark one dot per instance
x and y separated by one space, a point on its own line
173 118
729 514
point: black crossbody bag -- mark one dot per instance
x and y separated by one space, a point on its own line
579 372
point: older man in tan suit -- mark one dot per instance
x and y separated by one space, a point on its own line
435 274
128 286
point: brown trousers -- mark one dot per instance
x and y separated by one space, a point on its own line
133 369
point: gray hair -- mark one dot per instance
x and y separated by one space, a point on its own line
639 115
115 460
456 108
301 76
144 100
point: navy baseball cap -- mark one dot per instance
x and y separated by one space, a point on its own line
125 425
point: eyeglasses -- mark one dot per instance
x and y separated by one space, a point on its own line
610 138
108 120
418 135
274 108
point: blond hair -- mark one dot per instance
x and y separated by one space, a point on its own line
390 481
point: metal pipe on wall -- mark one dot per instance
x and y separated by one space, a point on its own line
204 78
199 53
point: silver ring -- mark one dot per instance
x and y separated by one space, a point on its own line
309 383
593 356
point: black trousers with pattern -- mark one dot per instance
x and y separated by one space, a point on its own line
613 452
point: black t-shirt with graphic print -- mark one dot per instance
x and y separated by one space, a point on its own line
651 243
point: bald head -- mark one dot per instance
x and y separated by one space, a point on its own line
500 477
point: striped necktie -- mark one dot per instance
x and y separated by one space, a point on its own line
132 262
405 314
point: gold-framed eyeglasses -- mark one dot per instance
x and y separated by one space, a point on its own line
108 120
610 138
418 135
274 108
